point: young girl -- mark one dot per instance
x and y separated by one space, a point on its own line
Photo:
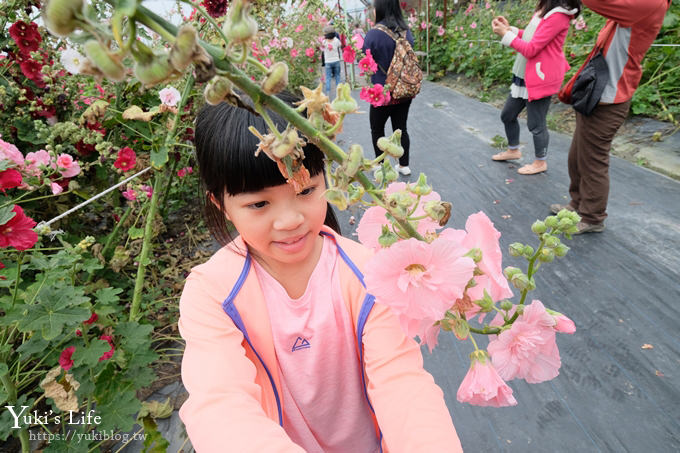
285 350
331 56
537 74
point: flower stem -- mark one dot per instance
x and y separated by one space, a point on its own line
114 233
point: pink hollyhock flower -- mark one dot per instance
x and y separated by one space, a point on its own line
108 354
367 64
527 350
441 30
424 329
580 24
18 232
309 51
419 280
148 190
181 173
10 152
293 53
9 179
371 223
36 161
127 159
487 5
563 324
130 194
423 25
473 25
439 13
92 319
469 8
56 188
349 54
170 96
67 167
482 386
65 360
299 28
375 95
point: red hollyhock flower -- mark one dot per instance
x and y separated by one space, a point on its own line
65 360
31 70
85 149
21 30
216 8
126 159
92 319
9 179
108 354
18 231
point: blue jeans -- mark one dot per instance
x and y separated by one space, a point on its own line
332 70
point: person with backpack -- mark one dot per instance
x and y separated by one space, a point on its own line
630 30
391 34
331 57
537 74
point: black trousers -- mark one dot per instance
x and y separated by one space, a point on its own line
398 113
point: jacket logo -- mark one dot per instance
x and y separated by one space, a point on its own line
301 343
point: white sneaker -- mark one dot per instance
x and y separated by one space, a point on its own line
404 170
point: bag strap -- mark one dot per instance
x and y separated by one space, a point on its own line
388 32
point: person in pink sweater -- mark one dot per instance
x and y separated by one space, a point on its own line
285 349
537 74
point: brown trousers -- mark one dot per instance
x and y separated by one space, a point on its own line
589 160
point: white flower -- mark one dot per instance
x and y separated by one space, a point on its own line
170 96
275 32
288 41
72 60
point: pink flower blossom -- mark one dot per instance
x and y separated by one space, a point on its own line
349 54
375 95
418 280
309 51
367 64
127 159
293 53
130 194
482 386
10 152
170 96
469 8
487 5
56 188
299 28
65 360
473 25
564 324
423 25
108 354
527 350
358 41
66 166
439 13
580 24
371 223
148 190
35 160
9 179
441 30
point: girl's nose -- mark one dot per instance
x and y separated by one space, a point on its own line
288 220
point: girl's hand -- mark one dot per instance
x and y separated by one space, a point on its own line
502 20
499 28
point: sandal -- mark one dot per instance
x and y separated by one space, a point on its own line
507 155
532 169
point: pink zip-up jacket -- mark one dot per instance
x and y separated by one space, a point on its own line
546 63
229 364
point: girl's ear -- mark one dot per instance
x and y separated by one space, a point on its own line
213 200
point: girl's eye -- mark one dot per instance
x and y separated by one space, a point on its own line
258 205
307 191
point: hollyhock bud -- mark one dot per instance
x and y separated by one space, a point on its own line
551 221
277 78
355 193
506 305
289 144
538 227
387 237
438 210
561 250
520 281
421 187
551 241
460 328
60 16
337 198
155 71
564 213
344 102
565 224
354 160
528 251
516 249
239 27
546 256
217 90
475 254
182 51
104 61
392 145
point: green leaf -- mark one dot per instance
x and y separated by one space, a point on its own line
154 442
26 131
108 296
136 233
6 214
35 344
91 264
68 446
89 355
6 420
159 157
3 369
118 411
55 307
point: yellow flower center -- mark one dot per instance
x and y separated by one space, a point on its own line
415 269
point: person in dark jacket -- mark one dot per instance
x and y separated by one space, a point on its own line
388 13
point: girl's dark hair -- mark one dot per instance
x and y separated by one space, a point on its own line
225 151
546 5
329 35
389 13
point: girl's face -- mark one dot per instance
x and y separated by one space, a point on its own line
280 227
